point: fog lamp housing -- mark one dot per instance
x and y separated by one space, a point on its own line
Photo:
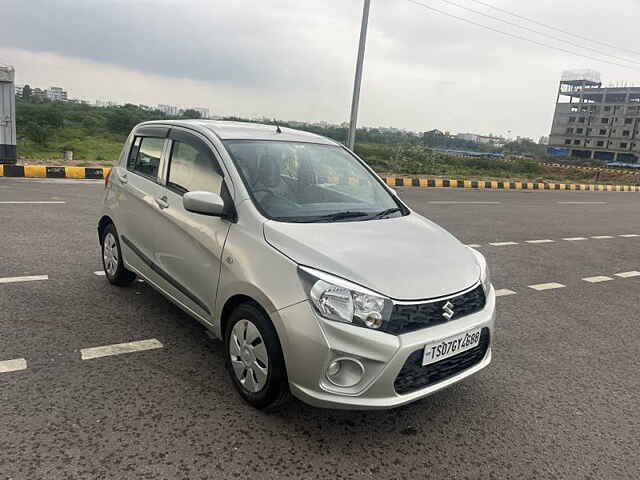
345 372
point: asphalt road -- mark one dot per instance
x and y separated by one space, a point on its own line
560 401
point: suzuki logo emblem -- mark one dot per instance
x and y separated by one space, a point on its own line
448 310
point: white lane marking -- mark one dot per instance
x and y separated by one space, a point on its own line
629 235
13 365
99 273
602 237
546 240
582 203
597 279
119 348
503 292
473 245
633 273
31 278
574 239
546 286
503 244
15 202
443 202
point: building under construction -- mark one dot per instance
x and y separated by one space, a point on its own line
592 121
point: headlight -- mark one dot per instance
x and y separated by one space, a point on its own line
337 299
485 274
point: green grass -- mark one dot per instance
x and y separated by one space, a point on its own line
102 147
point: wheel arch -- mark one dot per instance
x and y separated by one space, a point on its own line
232 303
102 224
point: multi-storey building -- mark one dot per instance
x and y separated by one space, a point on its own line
56 93
592 121
169 109
38 93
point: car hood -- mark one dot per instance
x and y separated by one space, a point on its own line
405 258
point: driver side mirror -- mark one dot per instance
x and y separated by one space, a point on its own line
206 203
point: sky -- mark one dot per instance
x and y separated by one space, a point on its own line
295 59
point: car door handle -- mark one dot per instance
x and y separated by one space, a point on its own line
162 202
123 178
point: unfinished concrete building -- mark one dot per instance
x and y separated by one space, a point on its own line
592 121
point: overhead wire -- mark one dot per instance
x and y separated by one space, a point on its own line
519 37
538 32
551 27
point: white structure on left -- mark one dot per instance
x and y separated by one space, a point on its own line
7 115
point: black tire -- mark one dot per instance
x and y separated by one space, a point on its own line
275 391
120 276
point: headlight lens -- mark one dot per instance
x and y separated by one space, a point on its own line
337 299
485 274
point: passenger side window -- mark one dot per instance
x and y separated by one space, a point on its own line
147 159
193 167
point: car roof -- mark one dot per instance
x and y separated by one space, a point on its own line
228 130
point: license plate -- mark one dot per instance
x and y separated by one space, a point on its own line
434 352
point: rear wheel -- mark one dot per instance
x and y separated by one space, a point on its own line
254 358
112 258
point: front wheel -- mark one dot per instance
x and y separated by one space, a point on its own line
254 358
112 259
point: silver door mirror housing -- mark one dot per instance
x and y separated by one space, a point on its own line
207 203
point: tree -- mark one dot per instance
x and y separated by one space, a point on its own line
191 113
26 93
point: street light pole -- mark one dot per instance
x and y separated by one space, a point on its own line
358 80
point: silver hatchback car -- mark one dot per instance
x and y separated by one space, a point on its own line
284 244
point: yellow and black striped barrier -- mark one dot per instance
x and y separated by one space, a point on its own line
503 185
42 171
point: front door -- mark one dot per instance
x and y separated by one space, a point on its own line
189 245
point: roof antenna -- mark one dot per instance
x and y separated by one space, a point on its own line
277 126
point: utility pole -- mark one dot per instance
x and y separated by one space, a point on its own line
358 80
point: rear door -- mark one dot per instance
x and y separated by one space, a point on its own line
141 200
189 245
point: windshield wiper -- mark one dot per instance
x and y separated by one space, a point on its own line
386 212
333 217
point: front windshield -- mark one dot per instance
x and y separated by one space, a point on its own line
308 182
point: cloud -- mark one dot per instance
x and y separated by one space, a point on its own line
295 59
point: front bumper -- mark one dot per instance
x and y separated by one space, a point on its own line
310 343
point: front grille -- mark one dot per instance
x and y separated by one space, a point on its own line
414 376
408 318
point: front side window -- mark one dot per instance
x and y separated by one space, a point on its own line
307 182
147 159
193 167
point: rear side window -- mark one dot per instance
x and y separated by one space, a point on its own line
133 154
145 156
193 167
